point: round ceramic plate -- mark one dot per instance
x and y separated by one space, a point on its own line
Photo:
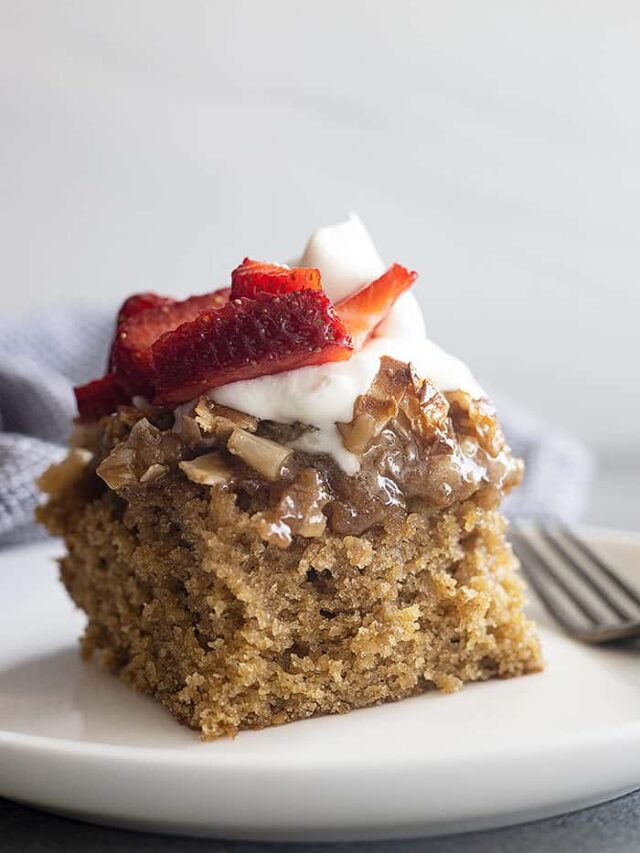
75 741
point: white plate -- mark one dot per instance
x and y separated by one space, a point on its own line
76 741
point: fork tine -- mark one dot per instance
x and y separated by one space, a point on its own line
541 592
529 553
597 560
551 538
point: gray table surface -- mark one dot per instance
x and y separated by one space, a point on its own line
609 828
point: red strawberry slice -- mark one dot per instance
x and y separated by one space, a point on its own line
368 307
140 302
248 338
130 357
253 277
100 397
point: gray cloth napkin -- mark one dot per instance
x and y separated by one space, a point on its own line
44 355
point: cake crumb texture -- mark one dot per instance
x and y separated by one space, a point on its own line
187 603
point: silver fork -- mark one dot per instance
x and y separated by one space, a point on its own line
580 590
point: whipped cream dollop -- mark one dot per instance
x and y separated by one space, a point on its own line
323 395
345 255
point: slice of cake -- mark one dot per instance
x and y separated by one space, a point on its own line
283 499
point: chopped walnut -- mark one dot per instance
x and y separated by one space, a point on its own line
154 472
478 419
132 459
298 512
208 470
221 420
188 429
425 407
396 389
263 455
360 432
118 469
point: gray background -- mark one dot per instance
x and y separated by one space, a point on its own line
493 146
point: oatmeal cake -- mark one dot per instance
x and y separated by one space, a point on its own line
282 500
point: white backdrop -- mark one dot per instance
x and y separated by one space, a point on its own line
494 146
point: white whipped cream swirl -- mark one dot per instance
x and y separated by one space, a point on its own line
324 395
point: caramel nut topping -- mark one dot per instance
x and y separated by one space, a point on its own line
221 420
476 418
208 470
298 512
131 459
263 455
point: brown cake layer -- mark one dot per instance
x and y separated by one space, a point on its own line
245 583
186 601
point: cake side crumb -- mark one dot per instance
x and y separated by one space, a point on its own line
186 602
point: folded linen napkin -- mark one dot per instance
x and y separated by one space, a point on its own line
44 355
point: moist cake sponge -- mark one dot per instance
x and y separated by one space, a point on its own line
186 602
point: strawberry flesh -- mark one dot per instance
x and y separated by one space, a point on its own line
247 338
253 277
366 308
140 302
100 397
130 357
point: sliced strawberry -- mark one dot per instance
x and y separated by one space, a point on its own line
100 397
140 302
253 277
130 357
248 338
368 307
